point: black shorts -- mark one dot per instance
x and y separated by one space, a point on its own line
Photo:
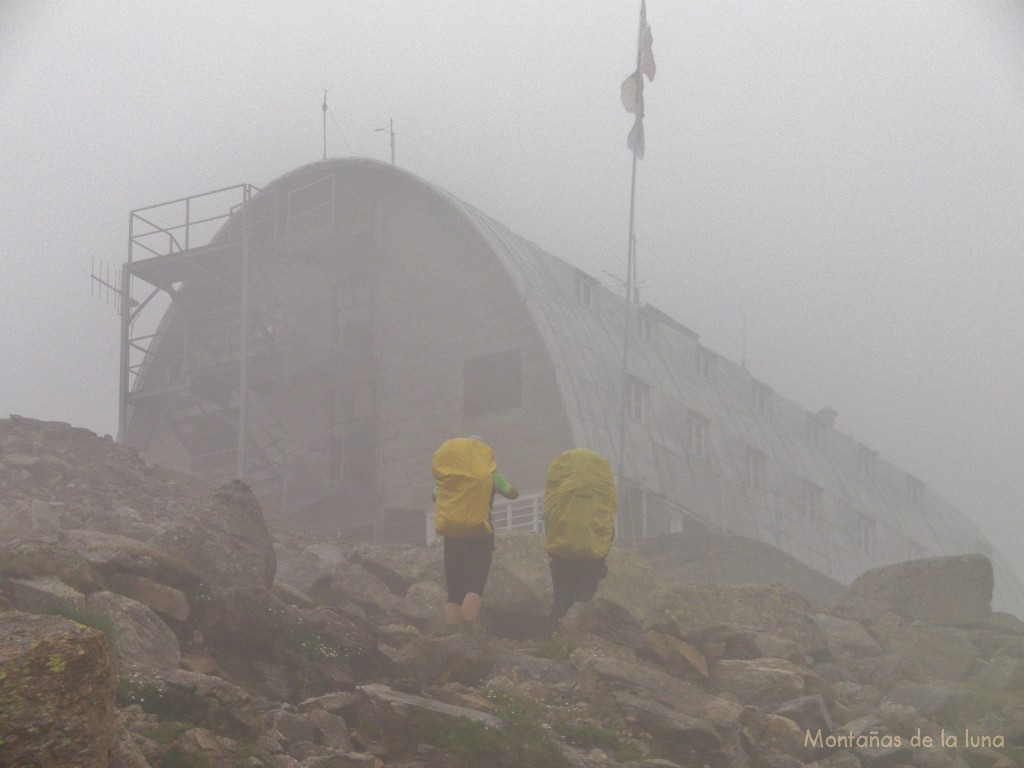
467 563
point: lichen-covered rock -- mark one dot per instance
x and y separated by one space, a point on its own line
227 543
141 641
676 656
937 590
687 609
57 688
45 594
350 583
456 658
766 681
605 619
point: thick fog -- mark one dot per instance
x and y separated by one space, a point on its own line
831 192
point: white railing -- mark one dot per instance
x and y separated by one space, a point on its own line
524 514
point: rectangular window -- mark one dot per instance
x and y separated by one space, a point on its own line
705 362
700 429
815 431
814 503
868 460
757 470
586 289
493 383
644 326
760 396
636 399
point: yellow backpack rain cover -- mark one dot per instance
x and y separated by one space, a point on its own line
462 468
579 506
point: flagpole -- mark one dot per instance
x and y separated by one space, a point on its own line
630 269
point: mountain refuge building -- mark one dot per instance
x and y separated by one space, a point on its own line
320 337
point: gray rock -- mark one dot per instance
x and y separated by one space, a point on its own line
848 639
351 583
938 590
945 702
771 609
808 712
601 676
456 658
676 656
164 600
227 543
45 594
766 681
387 703
141 642
932 653
605 619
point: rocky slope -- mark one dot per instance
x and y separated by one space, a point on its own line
146 620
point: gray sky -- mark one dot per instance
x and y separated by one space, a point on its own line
845 179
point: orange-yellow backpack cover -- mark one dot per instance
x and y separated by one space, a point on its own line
580 504
463 468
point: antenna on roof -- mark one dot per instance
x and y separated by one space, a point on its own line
390 129
101 286
325 123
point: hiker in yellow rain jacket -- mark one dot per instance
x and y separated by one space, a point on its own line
580 504
466 478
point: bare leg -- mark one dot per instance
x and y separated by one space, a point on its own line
471 607
452 613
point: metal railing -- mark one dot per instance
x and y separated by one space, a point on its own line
524 514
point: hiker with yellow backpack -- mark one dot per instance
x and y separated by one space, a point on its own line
580 504
466 479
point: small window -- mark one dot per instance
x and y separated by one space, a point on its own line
705 363
586 289
760 396
644 326
814 503
636 399
868 461
700 439
493 383
757 470
815 431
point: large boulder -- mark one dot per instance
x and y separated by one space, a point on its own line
141 641
226 542
937 590
57 687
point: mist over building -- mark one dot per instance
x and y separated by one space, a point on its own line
382 316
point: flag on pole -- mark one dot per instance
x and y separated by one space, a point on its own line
632 91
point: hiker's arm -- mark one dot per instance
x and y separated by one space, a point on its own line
503 487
